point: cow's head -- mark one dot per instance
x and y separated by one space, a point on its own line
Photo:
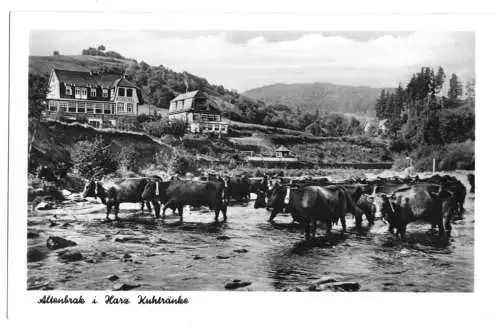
385 207
93 189
277 195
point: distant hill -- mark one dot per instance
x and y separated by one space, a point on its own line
325 97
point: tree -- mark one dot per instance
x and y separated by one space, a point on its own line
93 158
456 89
470 91
101 48
55 53
37 92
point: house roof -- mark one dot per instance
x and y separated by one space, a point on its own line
187 95
86 78
282 149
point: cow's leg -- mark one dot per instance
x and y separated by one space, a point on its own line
224 212
328 226
142 207
109 205
314 226
217 210
164 209
344 227
402 230
156 206
180 208
441 228
117 208
274 213
307 230
148 205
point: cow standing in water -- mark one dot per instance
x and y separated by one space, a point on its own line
310 204
177 194
119 191
421 202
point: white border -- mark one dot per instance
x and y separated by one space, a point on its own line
209 310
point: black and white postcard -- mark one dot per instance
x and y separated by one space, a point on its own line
171 165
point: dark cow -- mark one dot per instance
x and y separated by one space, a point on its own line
260 201
351 196
177 194
237 188
310 204
452 184
119 191
420 202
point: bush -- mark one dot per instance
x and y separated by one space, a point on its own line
400 145
93 158
161 128
129 158
448 157
459 156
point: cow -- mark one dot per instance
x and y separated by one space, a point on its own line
237 188
119 191
453 185
471 179
420 202
351 196
310 204
178 193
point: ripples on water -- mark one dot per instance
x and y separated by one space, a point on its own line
201 255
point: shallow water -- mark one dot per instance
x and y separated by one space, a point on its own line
202 255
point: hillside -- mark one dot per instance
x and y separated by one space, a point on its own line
325 97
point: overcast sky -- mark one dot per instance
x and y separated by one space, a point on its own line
244 60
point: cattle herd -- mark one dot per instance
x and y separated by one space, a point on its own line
310 202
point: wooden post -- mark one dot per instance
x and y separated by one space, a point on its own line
433 165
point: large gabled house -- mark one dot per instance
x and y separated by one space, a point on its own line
104 99
200 115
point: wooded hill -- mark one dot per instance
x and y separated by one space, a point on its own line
323 97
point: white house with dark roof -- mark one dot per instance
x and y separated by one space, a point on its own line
103 98
195 109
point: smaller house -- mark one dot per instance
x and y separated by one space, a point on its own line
282 152
195 109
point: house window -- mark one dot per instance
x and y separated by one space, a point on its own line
180 105
98 108
113 108
63 106
119 107
90 107
107 108
196 116
121 92
84 92
93 92
72 107
94 123
81 107
68 91
105 93
129 108
217 118
204 117
129 92
52 106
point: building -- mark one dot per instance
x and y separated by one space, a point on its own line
104 99
282 152
194 109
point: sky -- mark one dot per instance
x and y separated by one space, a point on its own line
243 60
